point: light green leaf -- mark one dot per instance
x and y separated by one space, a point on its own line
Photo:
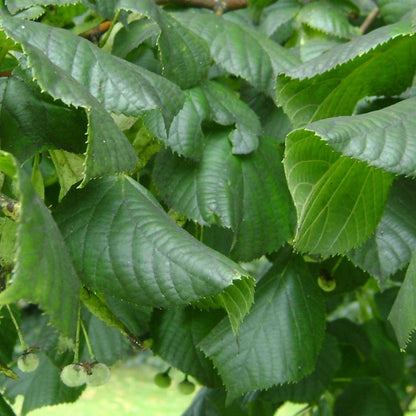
43 272
69 168
247 194
122 242
339 201
176 334
385 138
16 5
280 339
332 84
390 248
212 101
329 18
240 50
278 15
401 315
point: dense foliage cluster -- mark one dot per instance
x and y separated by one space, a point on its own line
233 191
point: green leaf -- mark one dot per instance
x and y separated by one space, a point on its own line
176 334
16 5
393 10
122 242
329 18
403 321
5 409
69 168
247 194
278 15
212 101
310 388
385 138
240 50
390 248
43 272
332 84
31 123
379 399
339 201
280 339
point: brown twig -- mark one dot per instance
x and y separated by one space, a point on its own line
369 20
219 6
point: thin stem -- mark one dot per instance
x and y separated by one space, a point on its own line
369 20
336 265
87 340
76 352
19 332
108 32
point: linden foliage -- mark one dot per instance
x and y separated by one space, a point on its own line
235 190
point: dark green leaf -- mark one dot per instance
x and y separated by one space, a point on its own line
401 316
44 272
123 243
278 15
5 409
16 5
364 397
240 50
339 201
246 194
393 10
280 339
313 386
176 335
390 248
331 85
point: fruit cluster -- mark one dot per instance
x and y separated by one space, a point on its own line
95 374
164 380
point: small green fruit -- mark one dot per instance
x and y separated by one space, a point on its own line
186 387
162 380
74 375
327 285
100 374
28 362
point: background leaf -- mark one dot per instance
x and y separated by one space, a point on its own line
246 194
279 341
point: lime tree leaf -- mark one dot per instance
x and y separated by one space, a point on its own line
176 334
385 138
247 194
315 384
378 399
30 122
212 101
43 270
329 18
16 5
69 168
124 244
241 51
393 10
339 201
331 85
5 409
390 248
278 341
278 15
401 316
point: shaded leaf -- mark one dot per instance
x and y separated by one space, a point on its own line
240 50
247 194
176 335
339 201
5 409
378 399
390 248
310 388
393 10
43 270
331 85
280 339
16 5
123 243
277 15
404 323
